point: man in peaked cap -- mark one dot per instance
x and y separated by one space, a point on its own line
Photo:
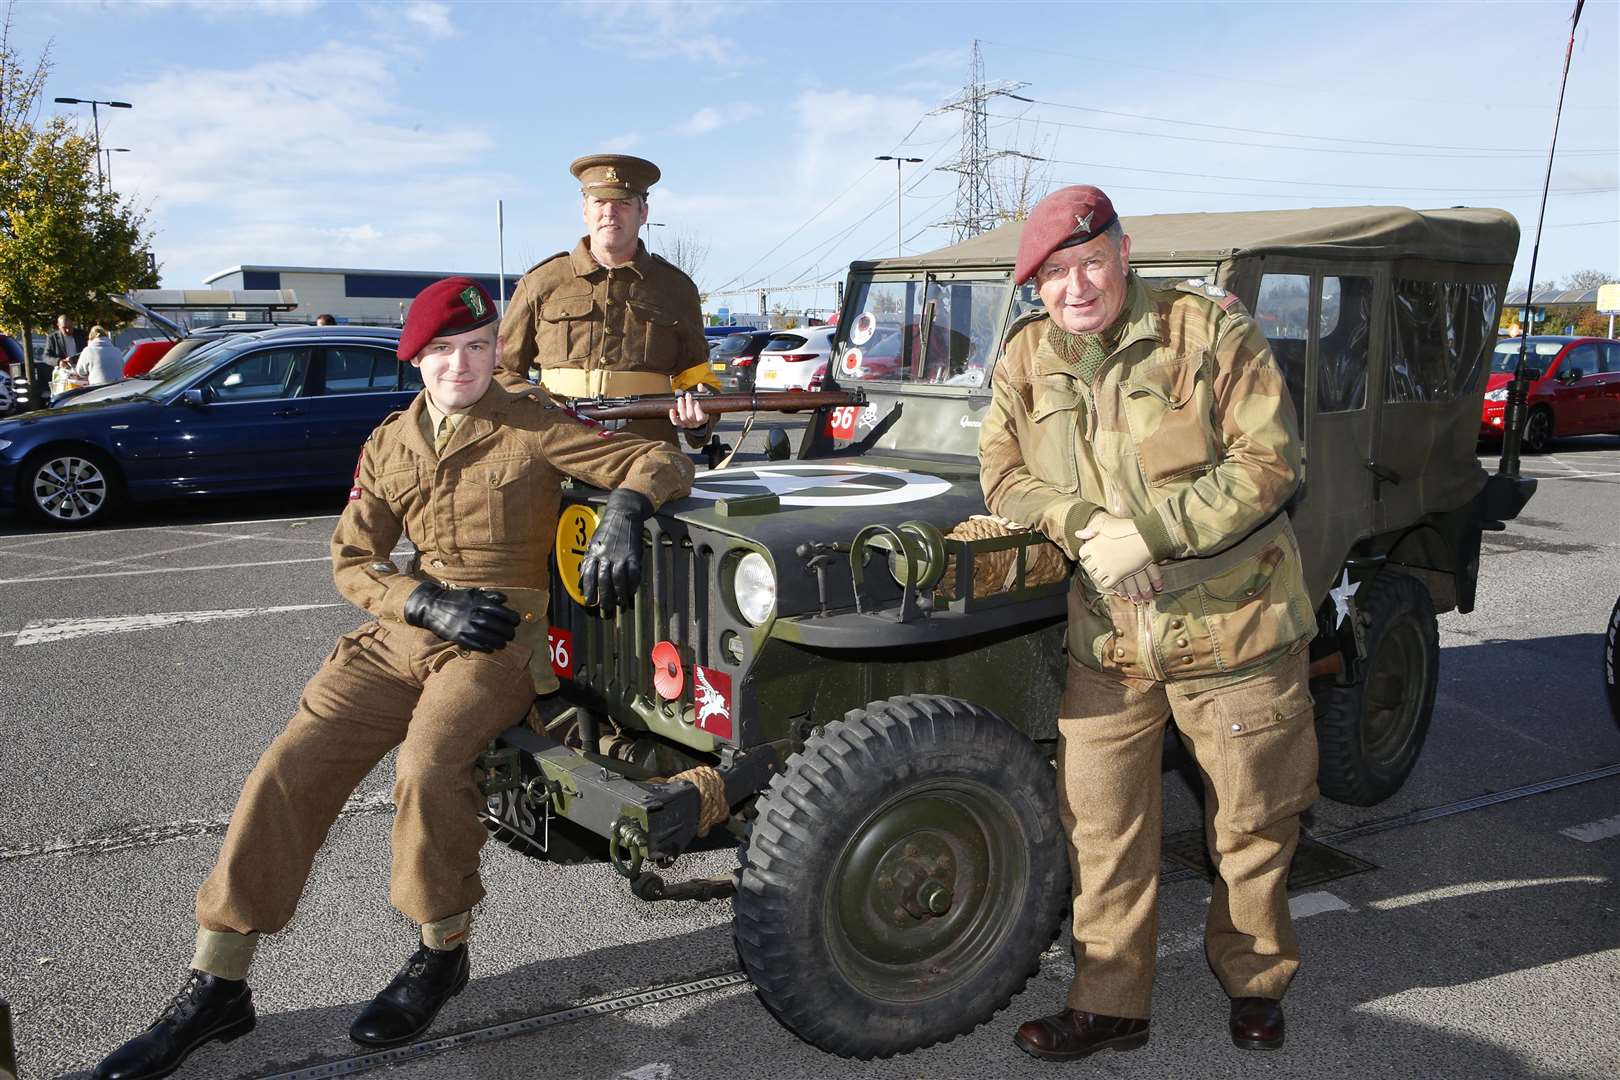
1148 432
609 318
455 653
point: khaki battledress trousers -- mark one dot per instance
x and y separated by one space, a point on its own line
1255 745
385 685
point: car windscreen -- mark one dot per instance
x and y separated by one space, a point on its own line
1506 354
733 345
118 391
784 343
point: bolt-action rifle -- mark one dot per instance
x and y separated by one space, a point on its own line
657 406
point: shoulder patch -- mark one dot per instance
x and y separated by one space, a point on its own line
1212 292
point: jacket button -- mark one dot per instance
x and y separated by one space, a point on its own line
1119 654
1176 625
1237 727
528 616
1186 659
436 563
1181 642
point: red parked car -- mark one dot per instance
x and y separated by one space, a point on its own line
1577 390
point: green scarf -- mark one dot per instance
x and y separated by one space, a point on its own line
1085 352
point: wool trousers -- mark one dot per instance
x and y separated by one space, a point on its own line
1254 742
385 685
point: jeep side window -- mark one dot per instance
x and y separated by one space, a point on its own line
1284 314
1346 327
1442 334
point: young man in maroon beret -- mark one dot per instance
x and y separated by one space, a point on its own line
455 654
1148 432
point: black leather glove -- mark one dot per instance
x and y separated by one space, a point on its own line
611 569
472 618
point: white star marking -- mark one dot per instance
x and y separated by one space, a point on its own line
779 484
1342 594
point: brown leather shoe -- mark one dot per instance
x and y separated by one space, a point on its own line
1257 1023
1072 1035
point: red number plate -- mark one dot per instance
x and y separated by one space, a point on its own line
561 645
841 421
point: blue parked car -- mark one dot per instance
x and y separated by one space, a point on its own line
277 410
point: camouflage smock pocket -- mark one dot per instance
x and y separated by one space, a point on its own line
1258 609
1057 422
1167 404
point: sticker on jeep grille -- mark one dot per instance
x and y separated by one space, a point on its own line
711 695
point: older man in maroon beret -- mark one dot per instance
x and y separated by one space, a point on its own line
454 655
1148 432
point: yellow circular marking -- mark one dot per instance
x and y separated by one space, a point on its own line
574 531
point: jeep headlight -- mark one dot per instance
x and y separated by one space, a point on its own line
1496 395
753 587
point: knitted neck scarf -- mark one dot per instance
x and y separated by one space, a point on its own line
1086 352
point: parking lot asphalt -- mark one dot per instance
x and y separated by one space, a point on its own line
152 660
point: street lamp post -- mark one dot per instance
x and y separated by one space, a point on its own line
95 118
108 153
899 229
648 228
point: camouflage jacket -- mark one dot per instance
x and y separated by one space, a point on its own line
1189 431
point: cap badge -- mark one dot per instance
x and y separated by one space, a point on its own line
1083 224
475 302
611 176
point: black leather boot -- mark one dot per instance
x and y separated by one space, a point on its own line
206 1008
408 1005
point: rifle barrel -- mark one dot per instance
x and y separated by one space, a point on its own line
654 406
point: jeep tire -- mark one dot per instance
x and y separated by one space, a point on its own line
902 877
1369 733
1611 662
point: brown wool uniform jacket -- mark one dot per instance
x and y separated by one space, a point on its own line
591 331
484 512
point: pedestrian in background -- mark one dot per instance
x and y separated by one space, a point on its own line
63 343
101 361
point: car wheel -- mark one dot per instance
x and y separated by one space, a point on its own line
902 877
1369 733
69 486
1538 429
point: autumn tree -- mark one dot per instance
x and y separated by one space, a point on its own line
65 241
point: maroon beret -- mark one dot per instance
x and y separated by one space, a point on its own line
1068 216
451 305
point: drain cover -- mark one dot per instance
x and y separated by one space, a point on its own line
1314 861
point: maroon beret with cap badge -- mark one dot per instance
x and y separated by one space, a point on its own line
451 305
1068 216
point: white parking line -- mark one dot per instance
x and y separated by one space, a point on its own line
45 538
42 631
163 570
1593 831
146 555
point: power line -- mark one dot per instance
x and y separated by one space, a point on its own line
1327 184
1295 89
1309 149
1285 134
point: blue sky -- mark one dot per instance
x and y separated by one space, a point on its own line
317 132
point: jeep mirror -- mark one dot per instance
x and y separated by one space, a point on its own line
197 395
777 447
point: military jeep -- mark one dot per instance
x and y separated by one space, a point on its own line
811 669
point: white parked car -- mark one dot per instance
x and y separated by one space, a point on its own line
795 359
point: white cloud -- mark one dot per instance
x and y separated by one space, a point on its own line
300 160
709 118
682 28
618 144
213 8
432 18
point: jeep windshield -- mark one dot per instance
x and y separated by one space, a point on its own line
927 329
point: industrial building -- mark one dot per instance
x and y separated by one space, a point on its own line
374 297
